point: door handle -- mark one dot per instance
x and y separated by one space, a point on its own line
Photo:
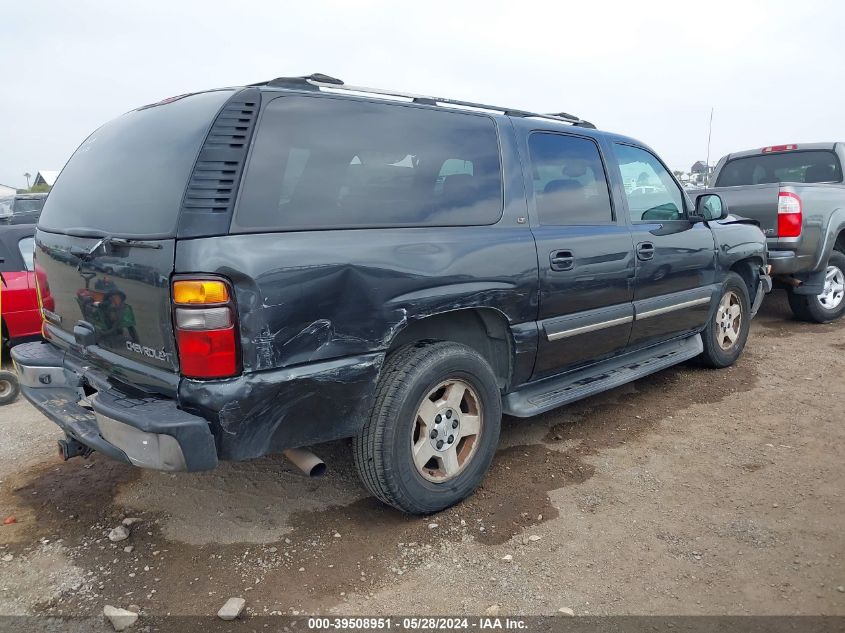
645 251
562 260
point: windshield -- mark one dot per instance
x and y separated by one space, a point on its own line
802 167
128 177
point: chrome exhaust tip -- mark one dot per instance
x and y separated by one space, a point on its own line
306 461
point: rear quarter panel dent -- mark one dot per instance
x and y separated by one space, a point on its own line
313 296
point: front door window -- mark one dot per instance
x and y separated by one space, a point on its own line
652 194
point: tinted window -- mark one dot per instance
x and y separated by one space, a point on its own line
452 167
331 163
128 177
570 186
651 192
28 205
787 167
27 247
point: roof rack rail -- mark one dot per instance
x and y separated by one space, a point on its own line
319 81
578 122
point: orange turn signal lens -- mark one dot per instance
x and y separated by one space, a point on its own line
199 292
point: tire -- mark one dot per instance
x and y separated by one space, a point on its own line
9 387
724 338
401 422
828 306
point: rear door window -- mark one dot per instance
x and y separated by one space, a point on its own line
796 166
326 162
570 186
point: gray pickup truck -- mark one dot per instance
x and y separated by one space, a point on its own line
796 193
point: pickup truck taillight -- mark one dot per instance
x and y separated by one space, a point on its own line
42 291
790 215
206 328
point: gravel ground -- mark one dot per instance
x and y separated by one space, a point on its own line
688 492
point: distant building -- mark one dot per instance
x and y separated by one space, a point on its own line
700 172
700 167
45 177
6 190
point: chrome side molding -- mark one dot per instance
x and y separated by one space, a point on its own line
584 329
671 308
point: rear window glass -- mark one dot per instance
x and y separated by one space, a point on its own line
339 163
810 166
28 205
128 177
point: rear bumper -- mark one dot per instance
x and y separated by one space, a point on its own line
145 431
764 287
788 262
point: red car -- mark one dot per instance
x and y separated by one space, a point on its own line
21 319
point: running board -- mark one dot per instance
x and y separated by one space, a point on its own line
550 393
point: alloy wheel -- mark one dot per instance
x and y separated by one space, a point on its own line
834 288
728 320
447 426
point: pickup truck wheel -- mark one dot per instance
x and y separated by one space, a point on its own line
433 429
9 387
727 331
830 304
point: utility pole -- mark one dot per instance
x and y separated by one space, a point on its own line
709 135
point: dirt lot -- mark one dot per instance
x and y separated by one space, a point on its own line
689 492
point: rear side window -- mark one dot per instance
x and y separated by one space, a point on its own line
128 177
336 163
809 166
570 186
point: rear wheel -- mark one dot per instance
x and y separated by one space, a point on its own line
433 429
830 304
9 387
726 333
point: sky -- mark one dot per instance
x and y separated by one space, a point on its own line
772 71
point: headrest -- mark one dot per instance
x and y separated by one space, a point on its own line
564 184
820 173
457 186
575 168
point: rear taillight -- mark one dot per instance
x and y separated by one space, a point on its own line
42 291
206 328
790 215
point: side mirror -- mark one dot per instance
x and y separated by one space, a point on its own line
708 207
